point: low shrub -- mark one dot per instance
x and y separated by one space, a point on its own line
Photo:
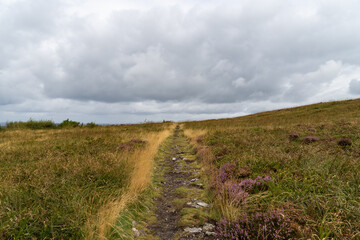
91 125
69 123
265 226
31 124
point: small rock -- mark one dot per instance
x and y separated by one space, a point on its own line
136 232
194 180
202 204
174 159
210 233
194 205
193 230
310 139
208 227
134 223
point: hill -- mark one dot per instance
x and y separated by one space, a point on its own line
296 169
284 174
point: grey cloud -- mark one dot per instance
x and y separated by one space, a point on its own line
354 86
304 86
168 54
208 58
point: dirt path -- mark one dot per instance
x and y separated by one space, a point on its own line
182 211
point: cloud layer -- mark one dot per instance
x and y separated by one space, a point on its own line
184 60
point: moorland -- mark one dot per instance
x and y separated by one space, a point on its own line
284 174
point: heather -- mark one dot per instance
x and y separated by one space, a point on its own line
303 160
269 225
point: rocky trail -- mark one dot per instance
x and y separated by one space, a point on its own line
182 208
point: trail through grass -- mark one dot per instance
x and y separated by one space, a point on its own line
68 183
176 203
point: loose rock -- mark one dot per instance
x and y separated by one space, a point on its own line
208 227
202 204
210 233
194 205
136 232
197 204
193 230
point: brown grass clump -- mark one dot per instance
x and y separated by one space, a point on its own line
293 136
310 139
243 172
344 142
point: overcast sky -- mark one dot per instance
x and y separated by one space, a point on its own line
122 61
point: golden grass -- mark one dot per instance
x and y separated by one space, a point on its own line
193 134
143 162
72 183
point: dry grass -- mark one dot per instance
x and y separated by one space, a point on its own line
62 183
142 161
195 135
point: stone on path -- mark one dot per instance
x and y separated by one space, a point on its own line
208 227
210 233
197 204
202 204
193 230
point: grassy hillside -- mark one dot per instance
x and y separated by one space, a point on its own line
72 182
269 181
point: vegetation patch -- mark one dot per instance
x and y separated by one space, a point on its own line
56 183
297 162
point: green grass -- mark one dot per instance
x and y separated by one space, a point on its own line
316 184
53 181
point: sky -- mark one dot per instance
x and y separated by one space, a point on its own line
132 61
